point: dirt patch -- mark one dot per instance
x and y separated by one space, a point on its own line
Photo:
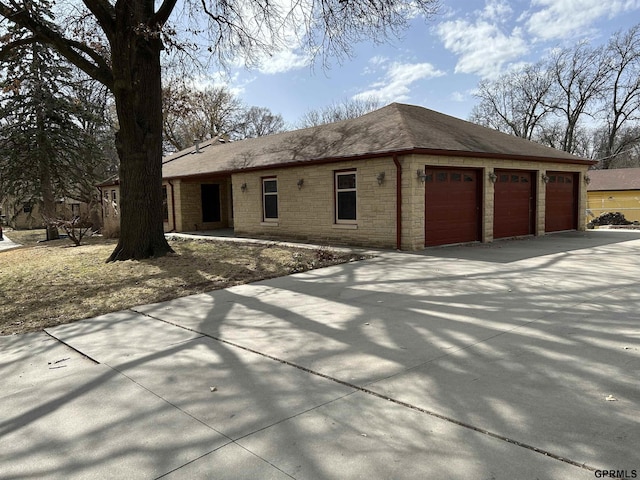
52 283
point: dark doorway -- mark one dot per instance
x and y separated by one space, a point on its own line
210 194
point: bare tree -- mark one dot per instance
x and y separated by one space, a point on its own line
580 75
515 103
191 114
257 122
119 42
339 111
621 98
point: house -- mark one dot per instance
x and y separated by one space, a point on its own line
616 190
26 215
401 177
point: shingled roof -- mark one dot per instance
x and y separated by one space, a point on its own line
614 179
396 128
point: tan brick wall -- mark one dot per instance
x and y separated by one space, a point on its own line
307 213
111 211
188 205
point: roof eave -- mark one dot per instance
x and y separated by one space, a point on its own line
390 153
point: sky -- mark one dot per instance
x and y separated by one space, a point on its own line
438 62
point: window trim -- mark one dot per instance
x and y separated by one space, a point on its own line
336 190
275 194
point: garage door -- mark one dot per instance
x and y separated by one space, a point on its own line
561 203
514 203
452 206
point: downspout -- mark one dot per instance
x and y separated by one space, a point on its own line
398 202
173 206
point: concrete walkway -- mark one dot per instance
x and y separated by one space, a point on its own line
519 359
7 244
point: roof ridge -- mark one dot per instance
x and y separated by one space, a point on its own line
405 123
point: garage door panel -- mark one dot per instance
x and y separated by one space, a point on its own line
561 203
452 206
513 203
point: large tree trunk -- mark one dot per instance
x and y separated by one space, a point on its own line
43 152
48 201
138 91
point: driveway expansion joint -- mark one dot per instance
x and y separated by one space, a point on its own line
395 401
91 359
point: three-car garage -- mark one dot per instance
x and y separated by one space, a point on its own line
520 203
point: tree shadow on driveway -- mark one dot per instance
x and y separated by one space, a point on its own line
400 366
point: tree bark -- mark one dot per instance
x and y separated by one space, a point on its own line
138 92
42 150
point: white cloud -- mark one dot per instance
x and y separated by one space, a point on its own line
220 79
395 86
556 19
496 10
482 47
283 61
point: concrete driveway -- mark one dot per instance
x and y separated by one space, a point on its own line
519 359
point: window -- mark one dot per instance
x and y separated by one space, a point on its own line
113 196
107 207
75 209
345 183
165 204
270 199
26 208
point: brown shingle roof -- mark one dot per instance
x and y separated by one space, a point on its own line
615 179
396 128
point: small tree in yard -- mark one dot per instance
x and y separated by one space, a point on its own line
76 228
119 42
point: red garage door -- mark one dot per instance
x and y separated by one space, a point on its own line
514 204
561 204
452 206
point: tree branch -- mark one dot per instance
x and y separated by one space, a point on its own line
9 47
98 68
104 13
163 13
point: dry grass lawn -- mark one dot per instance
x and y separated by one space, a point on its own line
51 283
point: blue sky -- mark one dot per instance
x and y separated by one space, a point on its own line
439 61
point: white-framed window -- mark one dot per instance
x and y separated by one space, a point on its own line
113 197
346 196
270 199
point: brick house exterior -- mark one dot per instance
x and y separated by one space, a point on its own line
399 177
25 216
